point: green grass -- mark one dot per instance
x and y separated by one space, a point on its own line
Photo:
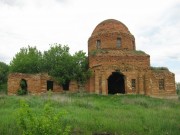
95 114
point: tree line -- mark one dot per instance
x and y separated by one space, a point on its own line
57 62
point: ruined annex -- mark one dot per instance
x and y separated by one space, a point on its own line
118 68
36 83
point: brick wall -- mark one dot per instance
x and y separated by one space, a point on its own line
109 41
36 83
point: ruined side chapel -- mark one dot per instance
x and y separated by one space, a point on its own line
119 68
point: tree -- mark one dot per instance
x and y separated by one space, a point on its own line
64 67
28 60
58 63
81 70
178 87
4 68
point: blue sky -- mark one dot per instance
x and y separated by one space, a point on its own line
154 23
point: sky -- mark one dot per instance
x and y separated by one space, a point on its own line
154 23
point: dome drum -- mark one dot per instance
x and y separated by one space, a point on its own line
110 41
111 34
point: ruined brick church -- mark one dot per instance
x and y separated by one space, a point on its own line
116 65
119 68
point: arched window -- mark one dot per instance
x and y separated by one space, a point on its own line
98 44
118 42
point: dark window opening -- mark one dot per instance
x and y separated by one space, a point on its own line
118 42
116 83
133 84
98 44
49 85
161 84
66 86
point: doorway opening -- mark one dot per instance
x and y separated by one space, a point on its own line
23 87
49 85
116 83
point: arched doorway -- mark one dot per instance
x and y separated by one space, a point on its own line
116 83
23 86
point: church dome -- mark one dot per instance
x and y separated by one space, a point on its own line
110 25
111 34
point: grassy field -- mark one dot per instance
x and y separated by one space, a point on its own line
97 114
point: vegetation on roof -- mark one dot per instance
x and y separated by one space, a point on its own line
159 68
139 52
94 52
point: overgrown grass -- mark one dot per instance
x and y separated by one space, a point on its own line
97 114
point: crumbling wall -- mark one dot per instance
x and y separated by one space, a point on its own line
169 83
36 83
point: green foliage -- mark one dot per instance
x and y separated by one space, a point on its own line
139 52
21 92
95 52
81 71
159 68
23 89
47 123
178 87
64 67
3 88
28 60
23 84
57 61
4 68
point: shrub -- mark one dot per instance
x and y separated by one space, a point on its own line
21 92
3 88
46 123
23 88
178 87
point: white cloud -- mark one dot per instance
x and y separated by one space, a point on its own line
161 39
155 25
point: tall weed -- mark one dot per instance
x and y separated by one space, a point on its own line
47 123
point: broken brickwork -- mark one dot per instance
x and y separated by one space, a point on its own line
113 58
36 83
